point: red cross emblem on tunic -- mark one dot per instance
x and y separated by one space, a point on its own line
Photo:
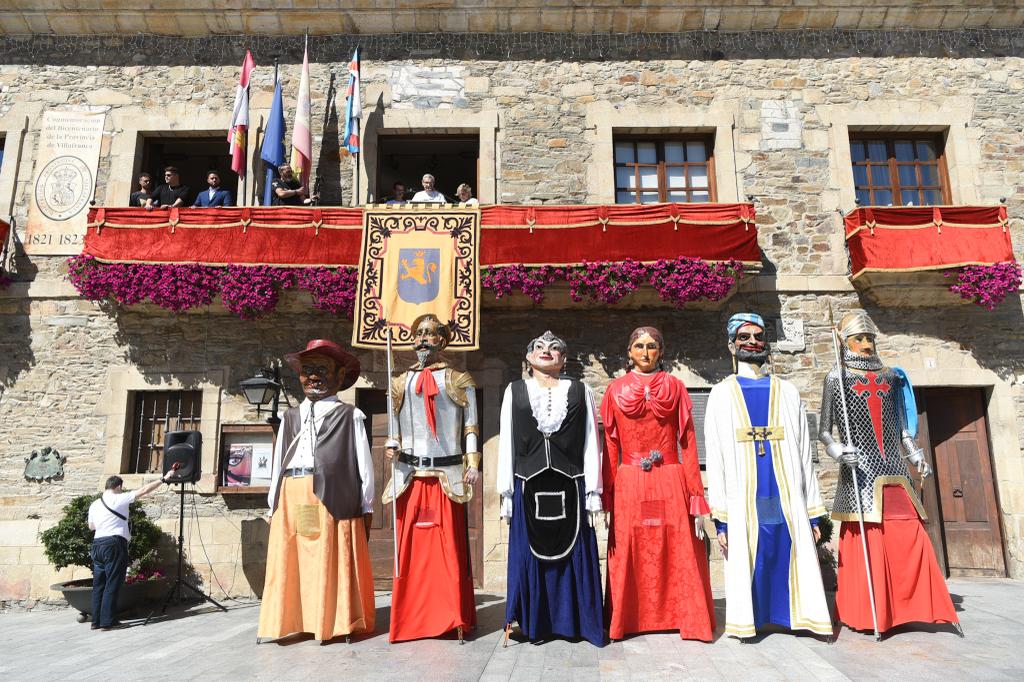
872 388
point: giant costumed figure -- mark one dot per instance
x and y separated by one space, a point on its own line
657 568
549 478
899 580
763 492
319 578
434 409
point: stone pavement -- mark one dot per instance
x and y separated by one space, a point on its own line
200 642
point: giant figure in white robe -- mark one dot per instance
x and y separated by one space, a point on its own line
763 493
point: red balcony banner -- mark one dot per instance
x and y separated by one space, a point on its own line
909 239
5 229
529 235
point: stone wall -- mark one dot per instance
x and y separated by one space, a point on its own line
57 353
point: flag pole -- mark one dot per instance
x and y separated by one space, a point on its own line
245 146
853 470
394 460
259 134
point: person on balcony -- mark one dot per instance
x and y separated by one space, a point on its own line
465 195
876 440
319 578
434 409
397 193
289 190
549 481
763 492
428 195
171 194
652 487
215 195
144 197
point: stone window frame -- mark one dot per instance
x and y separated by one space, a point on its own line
951 117
606 121
384 120
663 189
131 124
18 161
115 405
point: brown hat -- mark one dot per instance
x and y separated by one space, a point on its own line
331 350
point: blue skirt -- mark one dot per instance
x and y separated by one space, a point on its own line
554 598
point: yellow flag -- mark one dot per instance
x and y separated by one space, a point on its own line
418 260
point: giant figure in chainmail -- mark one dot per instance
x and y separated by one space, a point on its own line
908 586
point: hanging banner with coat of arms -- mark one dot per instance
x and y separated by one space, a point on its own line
416 261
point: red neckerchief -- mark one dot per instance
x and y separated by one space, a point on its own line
427 387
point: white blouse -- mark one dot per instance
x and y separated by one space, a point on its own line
311 418
549 407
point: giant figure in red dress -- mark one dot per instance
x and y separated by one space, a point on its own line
657 565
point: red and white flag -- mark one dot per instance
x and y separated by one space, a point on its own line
302 137
240 117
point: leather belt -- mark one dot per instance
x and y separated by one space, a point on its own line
299 472
406 457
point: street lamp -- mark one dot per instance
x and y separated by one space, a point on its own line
265 388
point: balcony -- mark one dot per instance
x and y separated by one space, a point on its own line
516 237
901 256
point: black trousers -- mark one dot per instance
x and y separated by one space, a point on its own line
109 566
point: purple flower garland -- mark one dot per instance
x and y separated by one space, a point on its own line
251 292
677 280
247 291
987 285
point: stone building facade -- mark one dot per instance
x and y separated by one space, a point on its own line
545 108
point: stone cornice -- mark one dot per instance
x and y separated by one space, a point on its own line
321 17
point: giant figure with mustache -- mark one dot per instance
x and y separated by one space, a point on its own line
763 492
435 409
319 578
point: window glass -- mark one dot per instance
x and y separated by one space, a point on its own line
857 151
648 177
624 152
625 177
649 198
877 151
647 152
700 196
696 152
926 150
883 197
676 176
904 150
908 176
880 175
674 152
909 197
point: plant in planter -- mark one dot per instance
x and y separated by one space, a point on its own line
68 544
826 559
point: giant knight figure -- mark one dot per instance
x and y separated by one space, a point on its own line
908 586
435 408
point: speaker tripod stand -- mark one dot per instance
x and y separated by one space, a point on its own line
180 582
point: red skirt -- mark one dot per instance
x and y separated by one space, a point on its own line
657 568
909 588
435 591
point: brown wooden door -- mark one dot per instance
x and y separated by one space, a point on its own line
372 403
957 432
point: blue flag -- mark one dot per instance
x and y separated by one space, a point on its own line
272 151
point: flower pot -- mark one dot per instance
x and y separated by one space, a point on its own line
78 594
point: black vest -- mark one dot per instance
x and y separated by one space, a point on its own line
563 450
336 480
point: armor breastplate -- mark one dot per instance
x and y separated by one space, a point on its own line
875 407
533 451
414 429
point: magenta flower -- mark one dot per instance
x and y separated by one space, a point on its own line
987 285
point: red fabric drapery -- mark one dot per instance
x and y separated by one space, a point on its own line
5 229
927 238
531 235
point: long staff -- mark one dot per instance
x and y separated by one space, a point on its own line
853 470
394 460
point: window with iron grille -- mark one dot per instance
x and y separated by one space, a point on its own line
649 170
154 413
899 170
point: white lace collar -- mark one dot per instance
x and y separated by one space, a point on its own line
549 405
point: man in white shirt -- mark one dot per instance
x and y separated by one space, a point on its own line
428 195
108 516
319 578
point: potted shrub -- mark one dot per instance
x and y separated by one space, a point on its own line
68 544
826 559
